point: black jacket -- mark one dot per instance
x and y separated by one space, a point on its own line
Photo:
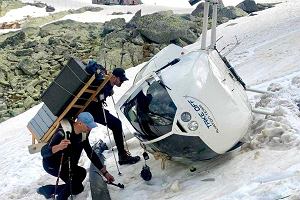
78 143
106 91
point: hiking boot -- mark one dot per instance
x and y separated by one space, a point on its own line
48 190
126 158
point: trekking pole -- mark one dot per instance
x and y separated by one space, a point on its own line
122 127
70 170
119 185
105 121
59 171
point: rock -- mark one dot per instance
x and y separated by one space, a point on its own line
263 6
37 4
231 12
138 40
16 38
28 102
2 75
13 81
200 9
43 33
50 9
248 6
16 111
41 55
112 25
10 25
12 58
31 31
23 52
30 89
134 20
3 106
54 40
115 39
84 9
162 27
44 73
30 44
189 38
4 115
28 66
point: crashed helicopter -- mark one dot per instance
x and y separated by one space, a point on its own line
188 104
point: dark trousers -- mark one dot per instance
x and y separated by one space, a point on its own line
113 123
78 175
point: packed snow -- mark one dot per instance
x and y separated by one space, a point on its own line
267 166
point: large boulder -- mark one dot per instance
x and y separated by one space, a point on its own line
248 6
200 9
134 20
231 12
162 27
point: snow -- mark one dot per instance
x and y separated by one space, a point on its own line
267 167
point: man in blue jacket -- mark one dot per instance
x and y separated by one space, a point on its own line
71 149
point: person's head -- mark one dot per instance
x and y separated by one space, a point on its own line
84 123
118 77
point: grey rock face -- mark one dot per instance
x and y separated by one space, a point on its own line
13 40
231 12
113 25
162 27
28 66
248 6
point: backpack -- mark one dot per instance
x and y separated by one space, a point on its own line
94 68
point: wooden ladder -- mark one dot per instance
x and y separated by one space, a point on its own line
75 105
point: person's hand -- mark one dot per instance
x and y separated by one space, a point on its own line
109 177
63 144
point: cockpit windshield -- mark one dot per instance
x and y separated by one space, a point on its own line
151 112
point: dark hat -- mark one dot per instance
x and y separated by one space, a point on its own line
120 72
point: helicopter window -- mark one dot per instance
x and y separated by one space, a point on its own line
151 112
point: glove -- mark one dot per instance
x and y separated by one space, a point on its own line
109 177
101 99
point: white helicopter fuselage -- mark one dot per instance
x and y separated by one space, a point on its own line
200 84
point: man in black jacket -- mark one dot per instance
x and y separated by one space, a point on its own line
72 148
113 123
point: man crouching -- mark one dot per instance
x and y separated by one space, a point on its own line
61 157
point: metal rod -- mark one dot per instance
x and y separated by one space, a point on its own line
58 175
204 26
214 25
105 120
